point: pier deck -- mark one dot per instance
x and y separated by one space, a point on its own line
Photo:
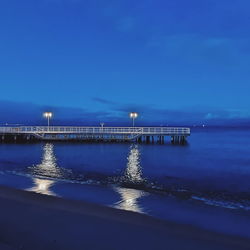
66 133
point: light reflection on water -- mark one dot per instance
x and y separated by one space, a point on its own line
48 169
130 199
133 174
42 186
133 171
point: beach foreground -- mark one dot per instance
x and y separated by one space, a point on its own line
34 221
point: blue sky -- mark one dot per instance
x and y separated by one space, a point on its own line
173 61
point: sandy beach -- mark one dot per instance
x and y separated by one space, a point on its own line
34 221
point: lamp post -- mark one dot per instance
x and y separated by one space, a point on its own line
133 116
102 125
48 115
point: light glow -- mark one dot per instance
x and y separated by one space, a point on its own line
47 114
133 115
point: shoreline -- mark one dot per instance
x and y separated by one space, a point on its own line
35 221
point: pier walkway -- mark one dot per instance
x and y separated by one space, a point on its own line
70 133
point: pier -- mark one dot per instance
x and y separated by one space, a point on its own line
177 135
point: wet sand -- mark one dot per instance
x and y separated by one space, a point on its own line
35 221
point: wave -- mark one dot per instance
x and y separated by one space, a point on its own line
174 187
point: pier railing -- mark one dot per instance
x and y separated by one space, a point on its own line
96 130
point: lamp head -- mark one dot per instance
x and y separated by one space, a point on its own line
47 114
133 115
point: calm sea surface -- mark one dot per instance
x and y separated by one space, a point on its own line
204 183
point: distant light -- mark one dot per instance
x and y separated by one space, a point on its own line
47 114
133 115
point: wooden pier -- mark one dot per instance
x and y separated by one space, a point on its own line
178 135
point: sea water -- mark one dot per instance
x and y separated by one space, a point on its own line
205 183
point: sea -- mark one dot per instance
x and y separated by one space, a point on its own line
204 183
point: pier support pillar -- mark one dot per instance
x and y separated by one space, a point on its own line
172 139
175 139
160 139
183 140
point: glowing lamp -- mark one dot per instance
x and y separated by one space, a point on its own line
133 116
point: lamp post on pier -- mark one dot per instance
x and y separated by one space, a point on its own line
48 115
102 125
133 116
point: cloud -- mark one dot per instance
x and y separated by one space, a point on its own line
238 113
216 41
31 114
195 46
228 114
118 115
179 42
209 116
150 114
103 101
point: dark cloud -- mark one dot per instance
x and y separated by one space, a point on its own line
103 101
31 114
189 116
